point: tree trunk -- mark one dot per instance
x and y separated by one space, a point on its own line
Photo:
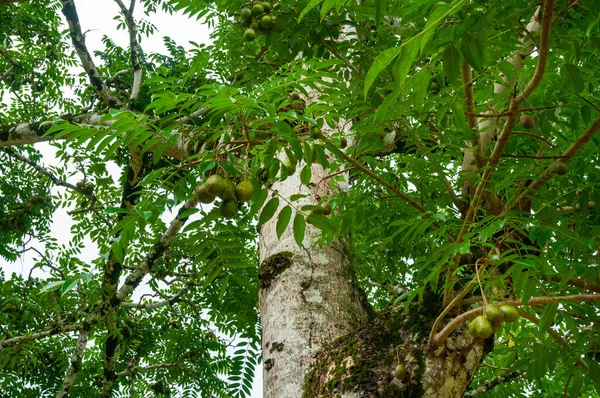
319 336
308 295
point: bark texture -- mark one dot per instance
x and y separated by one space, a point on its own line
362 364
308 295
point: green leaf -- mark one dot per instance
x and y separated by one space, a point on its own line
305 174
473 50
547 317
408 53
433 21
321 222
458 112
51 286
268 211
572 77
310 6
68 285
420 87
299 228
451 61
381 62
283 220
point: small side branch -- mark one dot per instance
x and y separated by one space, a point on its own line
534 186
76 361
441 337
558 338
47 173
490 384
157 304
59 329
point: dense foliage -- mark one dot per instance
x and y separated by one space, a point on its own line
412 84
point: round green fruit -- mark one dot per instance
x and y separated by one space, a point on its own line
527 121
561 168
257 9
289 165
472 328
266 22
202 195
267 6
483 327
400 372
493 313
295 96
244 191
228 191
315 132
434 87
246 13
249 34
228 208
511 314
215 184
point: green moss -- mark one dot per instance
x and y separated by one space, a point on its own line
374 351
273 266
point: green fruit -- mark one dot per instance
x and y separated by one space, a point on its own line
246 13
266 22
215 185
202 195
244 191
295 96
493 313
267 6
228 208
343 143
483 327
257 9
249 34
561 168
400 372
255 26
289 165
434 87
510 313
527 121
472 328
315 132
228 191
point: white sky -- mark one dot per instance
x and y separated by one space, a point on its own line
96 19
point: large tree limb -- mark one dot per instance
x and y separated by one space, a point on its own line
70 12
76 361
134 49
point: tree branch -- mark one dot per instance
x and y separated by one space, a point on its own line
76 361
558 338
58 329
134 50
440 338
157 304
70 12
490 384
534 186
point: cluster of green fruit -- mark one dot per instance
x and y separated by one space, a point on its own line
257 19
20 213
217 186
484 326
